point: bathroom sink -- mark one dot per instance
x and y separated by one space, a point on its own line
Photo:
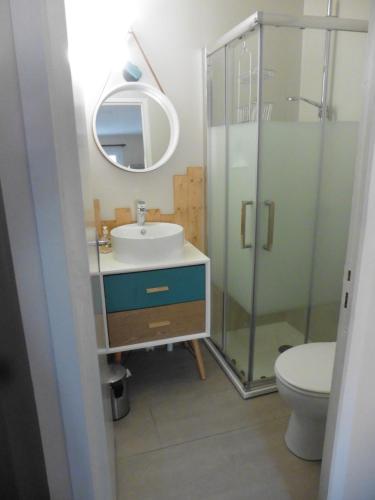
152 242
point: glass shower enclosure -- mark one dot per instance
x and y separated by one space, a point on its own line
283 105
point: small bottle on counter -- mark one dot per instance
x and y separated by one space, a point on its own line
106 247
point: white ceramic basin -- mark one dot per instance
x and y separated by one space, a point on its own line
152 242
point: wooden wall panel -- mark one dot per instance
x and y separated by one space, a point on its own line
195 206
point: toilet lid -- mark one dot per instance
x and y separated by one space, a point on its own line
308 367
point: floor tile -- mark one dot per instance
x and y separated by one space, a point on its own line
189 417
191 440
251 463
136 433
160 376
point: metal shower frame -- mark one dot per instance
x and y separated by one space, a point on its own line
256 22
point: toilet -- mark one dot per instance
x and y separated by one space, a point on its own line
303 377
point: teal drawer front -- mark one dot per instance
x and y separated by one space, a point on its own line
124 292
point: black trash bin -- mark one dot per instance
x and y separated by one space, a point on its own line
118 381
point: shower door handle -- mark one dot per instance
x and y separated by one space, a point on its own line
244 204
271 224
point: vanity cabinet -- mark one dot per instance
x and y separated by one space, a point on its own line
140 290
155 323
152 306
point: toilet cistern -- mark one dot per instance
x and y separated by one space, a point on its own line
141 212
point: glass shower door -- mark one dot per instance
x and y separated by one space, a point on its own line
338 167
242 152
288 187
279 189
216 188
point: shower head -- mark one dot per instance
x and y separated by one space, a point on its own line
304 99
308 101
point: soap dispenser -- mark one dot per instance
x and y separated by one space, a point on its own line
106 245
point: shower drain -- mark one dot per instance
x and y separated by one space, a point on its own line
284 347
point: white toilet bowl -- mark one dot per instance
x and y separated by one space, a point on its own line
303 377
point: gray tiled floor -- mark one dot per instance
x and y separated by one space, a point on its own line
191 440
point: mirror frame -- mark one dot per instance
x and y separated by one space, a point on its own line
165 104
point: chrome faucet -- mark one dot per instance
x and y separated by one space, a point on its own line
141 212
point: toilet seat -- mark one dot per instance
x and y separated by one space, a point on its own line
307 368
311 394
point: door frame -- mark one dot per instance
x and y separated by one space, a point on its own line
43 202
350 439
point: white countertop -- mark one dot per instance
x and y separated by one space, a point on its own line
191 256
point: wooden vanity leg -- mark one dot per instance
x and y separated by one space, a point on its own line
118 358
199 358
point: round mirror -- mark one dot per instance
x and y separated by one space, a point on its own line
136 127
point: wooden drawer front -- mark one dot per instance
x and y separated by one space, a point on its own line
125 292
156 323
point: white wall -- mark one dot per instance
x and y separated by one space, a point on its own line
349 452
106 476
173 35
45 198
159 130
27 266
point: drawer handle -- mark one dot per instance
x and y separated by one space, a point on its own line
158 324
157 289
